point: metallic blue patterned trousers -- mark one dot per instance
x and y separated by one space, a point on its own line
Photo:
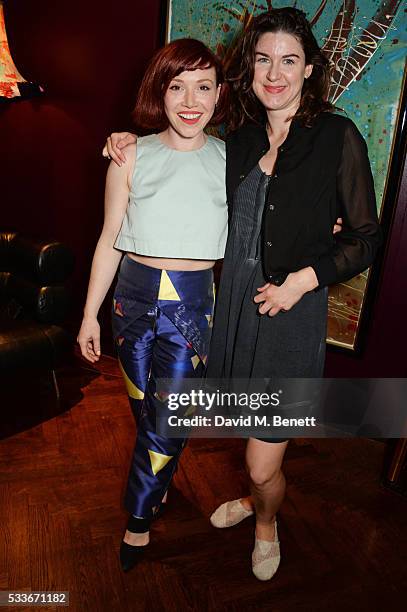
162 322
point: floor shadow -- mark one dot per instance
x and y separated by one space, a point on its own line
28 396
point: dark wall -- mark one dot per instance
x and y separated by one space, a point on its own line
89 56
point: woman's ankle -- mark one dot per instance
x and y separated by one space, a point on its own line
265 530
136 539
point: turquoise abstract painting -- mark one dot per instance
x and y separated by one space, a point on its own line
365 41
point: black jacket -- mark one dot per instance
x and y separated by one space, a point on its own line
321 172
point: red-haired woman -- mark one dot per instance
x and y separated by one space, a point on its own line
165 208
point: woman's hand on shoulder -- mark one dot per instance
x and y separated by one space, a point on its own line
115 144
89 339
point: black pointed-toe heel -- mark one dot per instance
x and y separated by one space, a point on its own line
131 555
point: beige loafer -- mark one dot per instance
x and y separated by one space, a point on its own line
266 557
230 513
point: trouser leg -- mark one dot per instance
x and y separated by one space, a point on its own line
155 457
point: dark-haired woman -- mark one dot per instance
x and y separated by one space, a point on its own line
292 167
165 207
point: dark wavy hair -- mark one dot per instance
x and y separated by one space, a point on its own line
240 68
168 62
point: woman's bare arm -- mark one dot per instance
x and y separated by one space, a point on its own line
106 258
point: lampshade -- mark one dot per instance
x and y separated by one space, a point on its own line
12 84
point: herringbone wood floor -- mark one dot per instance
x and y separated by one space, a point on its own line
62 480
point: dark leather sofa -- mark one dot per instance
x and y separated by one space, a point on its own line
34 303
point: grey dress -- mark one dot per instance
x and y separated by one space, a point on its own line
244 343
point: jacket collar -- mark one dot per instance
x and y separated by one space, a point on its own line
258 132
248 144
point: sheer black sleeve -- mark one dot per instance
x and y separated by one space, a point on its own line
356 245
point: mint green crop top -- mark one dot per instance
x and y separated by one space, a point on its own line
177 202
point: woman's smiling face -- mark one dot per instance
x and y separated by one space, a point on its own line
279 71
190 100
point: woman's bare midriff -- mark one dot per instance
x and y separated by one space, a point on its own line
163 263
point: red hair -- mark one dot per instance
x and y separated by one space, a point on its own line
168 62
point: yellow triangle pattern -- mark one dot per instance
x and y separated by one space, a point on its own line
132 390
195 361
158 461
209 318
167 290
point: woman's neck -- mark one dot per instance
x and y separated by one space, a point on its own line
278 122
174 140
